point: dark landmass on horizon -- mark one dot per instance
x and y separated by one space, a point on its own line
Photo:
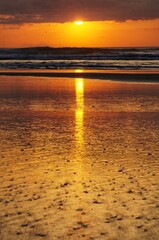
74 49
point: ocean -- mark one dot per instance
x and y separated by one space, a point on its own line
80 58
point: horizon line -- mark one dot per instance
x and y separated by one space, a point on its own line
67 47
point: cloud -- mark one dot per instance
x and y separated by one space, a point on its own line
43 11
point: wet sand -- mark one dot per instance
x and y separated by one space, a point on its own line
117 75
79 159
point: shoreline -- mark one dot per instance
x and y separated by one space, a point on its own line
132 76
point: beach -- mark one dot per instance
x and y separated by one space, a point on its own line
79 155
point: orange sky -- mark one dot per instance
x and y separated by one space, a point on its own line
90 34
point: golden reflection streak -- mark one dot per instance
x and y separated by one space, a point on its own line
79 113
79 167
79 71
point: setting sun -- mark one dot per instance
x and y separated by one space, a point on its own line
78 22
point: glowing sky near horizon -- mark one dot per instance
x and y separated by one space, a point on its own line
107 23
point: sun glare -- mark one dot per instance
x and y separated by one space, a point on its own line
78 23
79 71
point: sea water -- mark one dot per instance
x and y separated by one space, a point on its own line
80 58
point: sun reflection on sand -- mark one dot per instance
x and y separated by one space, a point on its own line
79 113
79 71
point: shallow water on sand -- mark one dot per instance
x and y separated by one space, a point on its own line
79 159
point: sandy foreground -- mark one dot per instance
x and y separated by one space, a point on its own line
79 159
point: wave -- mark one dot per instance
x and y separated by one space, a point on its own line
85 58
80 64
46 53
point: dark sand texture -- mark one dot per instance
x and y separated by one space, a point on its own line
79 159
132 76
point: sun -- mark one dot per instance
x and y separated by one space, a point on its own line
79 22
